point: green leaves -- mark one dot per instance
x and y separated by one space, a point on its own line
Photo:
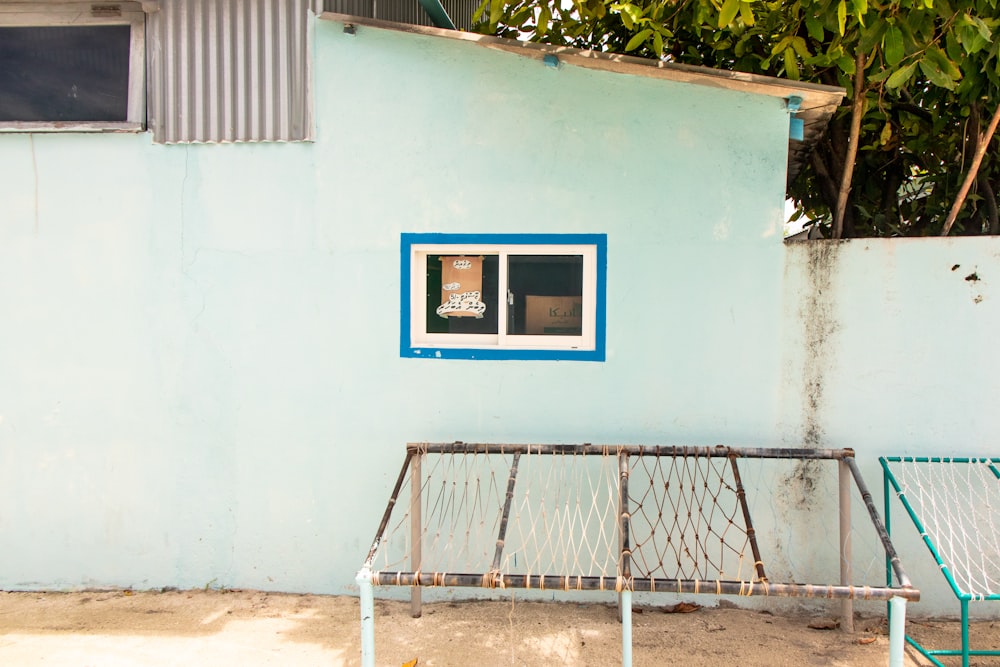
972 32
935 74
893 45
544 17
886 135
791 65
927 63
729 10
629 13
860 9
815 28
938 57
638 39
496 11
872 35
933 64
520 16
901 77
478 14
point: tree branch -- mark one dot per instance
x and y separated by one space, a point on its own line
857 111
982 142
992 214
828 192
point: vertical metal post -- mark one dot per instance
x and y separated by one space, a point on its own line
416 531
624 519
625 565
888 531
621 537
965 632
887 518
626 609
505 517
847 604
364 580
741 496
897 631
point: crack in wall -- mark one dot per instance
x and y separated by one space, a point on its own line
184 181
34 171
186 265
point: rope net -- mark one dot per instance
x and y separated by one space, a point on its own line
955 504
687 521
592 517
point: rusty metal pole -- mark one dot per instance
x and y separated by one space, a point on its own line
416 531
847 604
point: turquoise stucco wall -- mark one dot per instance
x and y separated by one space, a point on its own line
201 378
892 340
889 350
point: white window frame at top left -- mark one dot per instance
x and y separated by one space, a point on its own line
40 15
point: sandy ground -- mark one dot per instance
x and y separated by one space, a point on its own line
251 628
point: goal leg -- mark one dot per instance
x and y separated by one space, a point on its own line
416 533
626 612
965 632
897 631
367 618
847 604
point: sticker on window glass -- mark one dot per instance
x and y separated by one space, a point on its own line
466 304
461 287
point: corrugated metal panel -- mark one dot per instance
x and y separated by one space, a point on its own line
404 11
229 70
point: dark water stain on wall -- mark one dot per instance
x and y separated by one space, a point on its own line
818 315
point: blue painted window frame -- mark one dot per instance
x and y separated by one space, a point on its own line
407 349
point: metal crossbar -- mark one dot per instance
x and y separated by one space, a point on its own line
954 503
620 518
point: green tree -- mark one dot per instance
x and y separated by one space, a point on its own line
922 80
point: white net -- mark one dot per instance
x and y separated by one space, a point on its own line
957 501
561 517
564 516
612 517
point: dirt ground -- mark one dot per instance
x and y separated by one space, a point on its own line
251 628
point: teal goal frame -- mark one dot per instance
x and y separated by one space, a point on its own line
964 597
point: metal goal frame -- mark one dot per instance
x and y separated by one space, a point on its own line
625 582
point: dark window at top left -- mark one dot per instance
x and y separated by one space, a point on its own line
71 73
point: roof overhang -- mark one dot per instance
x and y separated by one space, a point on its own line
818 102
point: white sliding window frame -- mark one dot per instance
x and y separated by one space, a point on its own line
531 296
129 117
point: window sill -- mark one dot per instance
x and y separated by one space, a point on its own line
500 354
69 126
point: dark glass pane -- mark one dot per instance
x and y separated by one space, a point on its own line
74 73
450 322
547 294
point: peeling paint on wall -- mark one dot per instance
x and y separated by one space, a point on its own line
972 279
